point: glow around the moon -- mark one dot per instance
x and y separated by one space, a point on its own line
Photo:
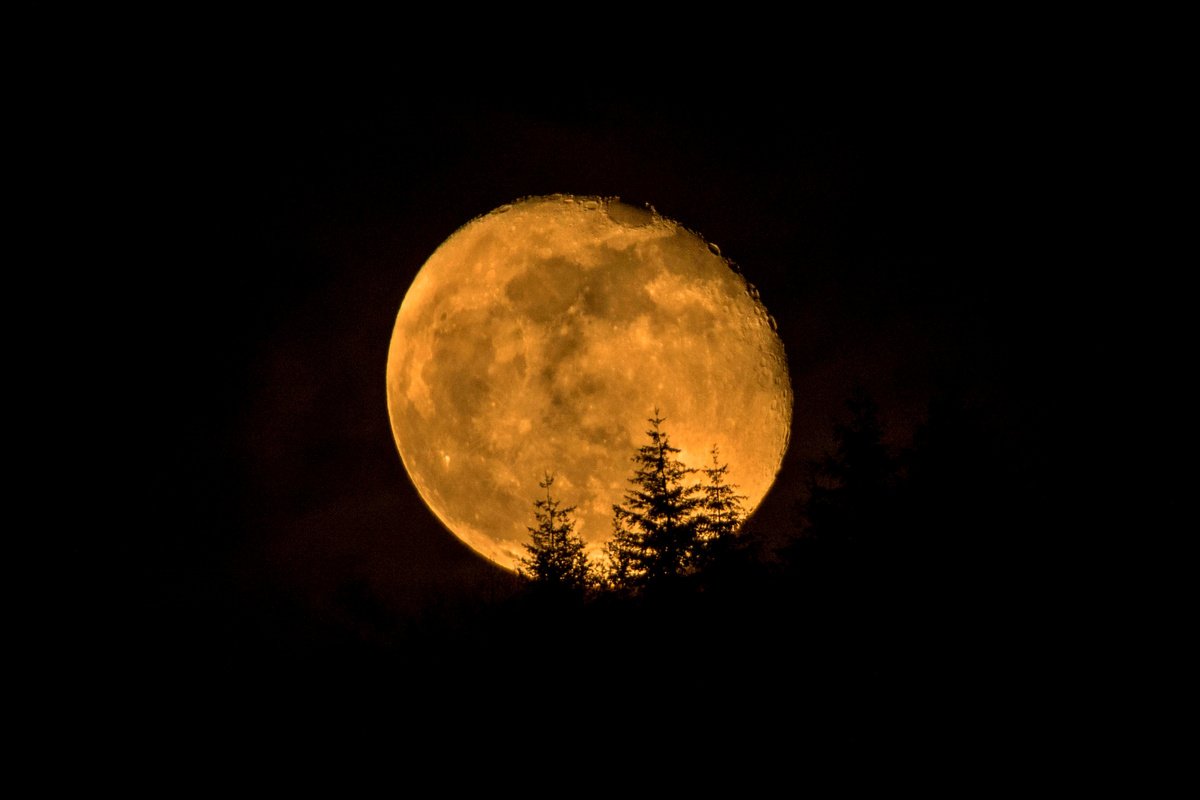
540 337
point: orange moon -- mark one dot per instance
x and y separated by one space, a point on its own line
539 338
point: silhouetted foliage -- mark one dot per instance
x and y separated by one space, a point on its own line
873 589
851 494
557 560
669 527
720 514
626 553
656 530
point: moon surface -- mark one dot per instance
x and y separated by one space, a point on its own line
541 336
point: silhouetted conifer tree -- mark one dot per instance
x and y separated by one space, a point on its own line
720 513
852 491
556 559
626 552
655 531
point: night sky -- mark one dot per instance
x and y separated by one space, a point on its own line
898 236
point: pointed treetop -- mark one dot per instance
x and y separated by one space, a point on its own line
556 557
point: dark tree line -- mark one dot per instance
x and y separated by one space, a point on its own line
894 590
952 488
887 538
866 503
671 528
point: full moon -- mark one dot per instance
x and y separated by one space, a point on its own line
540 337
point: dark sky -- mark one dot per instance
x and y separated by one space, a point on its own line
897 235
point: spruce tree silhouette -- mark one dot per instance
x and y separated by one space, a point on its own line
720 515
851 498
847 575
556 560
848 557
655 531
